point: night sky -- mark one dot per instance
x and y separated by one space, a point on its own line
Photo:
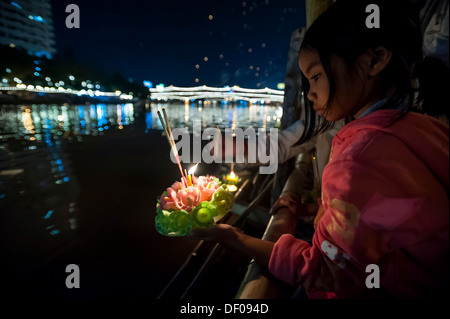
245 42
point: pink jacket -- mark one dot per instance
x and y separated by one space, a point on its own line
384 202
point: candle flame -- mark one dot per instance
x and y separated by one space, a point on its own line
192 169
232 175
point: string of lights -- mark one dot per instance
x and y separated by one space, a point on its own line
234 93
40 89
234 88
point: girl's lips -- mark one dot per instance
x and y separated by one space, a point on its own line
320 111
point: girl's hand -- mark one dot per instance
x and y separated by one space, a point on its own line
258 249
222 233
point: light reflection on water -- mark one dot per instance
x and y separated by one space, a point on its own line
38 188
222 114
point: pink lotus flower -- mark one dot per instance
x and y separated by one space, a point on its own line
207 186
189 197
177 186
181 198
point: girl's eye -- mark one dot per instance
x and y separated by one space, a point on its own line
315 77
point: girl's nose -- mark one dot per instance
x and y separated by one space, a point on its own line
311 96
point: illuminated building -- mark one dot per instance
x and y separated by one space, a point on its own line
28 24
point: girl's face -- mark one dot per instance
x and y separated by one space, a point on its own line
352 89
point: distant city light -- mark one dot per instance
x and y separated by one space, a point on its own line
37 68
36 18
60 89
47 79
210 17
8 70
16 5
148 84
36 73
197 66
205 58
71 77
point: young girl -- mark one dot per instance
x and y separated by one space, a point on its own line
383 225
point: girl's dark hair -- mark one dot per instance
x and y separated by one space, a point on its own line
342 31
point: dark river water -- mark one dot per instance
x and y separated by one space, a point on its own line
78 185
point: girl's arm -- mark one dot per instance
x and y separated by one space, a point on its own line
258 249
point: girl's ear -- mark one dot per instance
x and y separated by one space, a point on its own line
381 57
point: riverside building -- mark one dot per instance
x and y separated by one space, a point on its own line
28 24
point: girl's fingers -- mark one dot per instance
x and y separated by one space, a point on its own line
218 232
200 233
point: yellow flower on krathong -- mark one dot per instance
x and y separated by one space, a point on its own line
223 200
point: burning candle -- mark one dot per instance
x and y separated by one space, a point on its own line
191 172
188 178
232 177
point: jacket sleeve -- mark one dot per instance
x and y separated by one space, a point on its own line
288 137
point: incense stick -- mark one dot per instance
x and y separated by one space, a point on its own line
172 144
168 124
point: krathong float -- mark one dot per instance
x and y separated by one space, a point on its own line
201 204
191 202
231 180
